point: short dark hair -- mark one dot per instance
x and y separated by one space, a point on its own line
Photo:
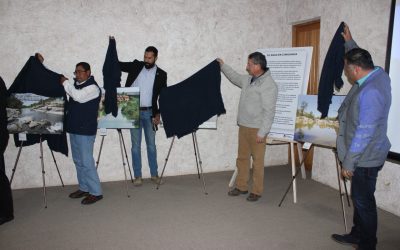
359 57
259 58
84 65
152 49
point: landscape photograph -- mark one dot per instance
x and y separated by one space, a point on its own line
128 100
35 114
309 125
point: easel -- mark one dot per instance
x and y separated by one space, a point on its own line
43 172
274 141
123 150
196 155
340 183
296 172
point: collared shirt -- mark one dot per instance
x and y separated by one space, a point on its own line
254 78
81 95
363 79
145 82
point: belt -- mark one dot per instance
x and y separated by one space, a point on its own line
145 108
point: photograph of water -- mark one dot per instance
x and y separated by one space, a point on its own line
35 114
128 110
310 128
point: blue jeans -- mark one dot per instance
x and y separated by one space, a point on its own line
82 154
136 138
365 218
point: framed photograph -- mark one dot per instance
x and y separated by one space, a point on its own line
128 110
310 128
35 114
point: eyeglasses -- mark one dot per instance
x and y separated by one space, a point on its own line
79 71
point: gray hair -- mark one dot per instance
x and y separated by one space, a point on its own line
259 58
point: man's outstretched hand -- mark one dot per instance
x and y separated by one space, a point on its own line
346 33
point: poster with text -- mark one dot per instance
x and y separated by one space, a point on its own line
290 68
309 126
128 110
35 114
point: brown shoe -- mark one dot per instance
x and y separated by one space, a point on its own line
253 197
236 192
90 199
138 181
78 194
157 180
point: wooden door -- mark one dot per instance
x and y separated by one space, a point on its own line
304 35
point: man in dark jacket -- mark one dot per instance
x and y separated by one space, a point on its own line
6 202
150 79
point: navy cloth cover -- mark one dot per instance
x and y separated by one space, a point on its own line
331 73
6 202
37 79
186 105
111 78
3 119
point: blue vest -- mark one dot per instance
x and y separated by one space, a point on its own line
81 118
366 144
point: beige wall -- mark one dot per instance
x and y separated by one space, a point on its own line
188 34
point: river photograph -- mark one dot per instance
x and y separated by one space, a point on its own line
34 114
128 101
309 125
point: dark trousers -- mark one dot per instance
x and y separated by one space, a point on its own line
365 218
6 202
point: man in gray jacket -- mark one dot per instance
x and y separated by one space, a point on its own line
362 143
255 116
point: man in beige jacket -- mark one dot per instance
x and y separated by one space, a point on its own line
255 116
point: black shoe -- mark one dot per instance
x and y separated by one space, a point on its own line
236 192
78 194
346 239
90 199
253 197
6 219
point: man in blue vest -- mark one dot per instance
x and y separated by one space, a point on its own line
362 143
81 124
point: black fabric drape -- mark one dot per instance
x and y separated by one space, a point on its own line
3 117
37 79
186 105
331 72
111 78
6 202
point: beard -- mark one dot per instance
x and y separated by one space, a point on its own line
149 65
